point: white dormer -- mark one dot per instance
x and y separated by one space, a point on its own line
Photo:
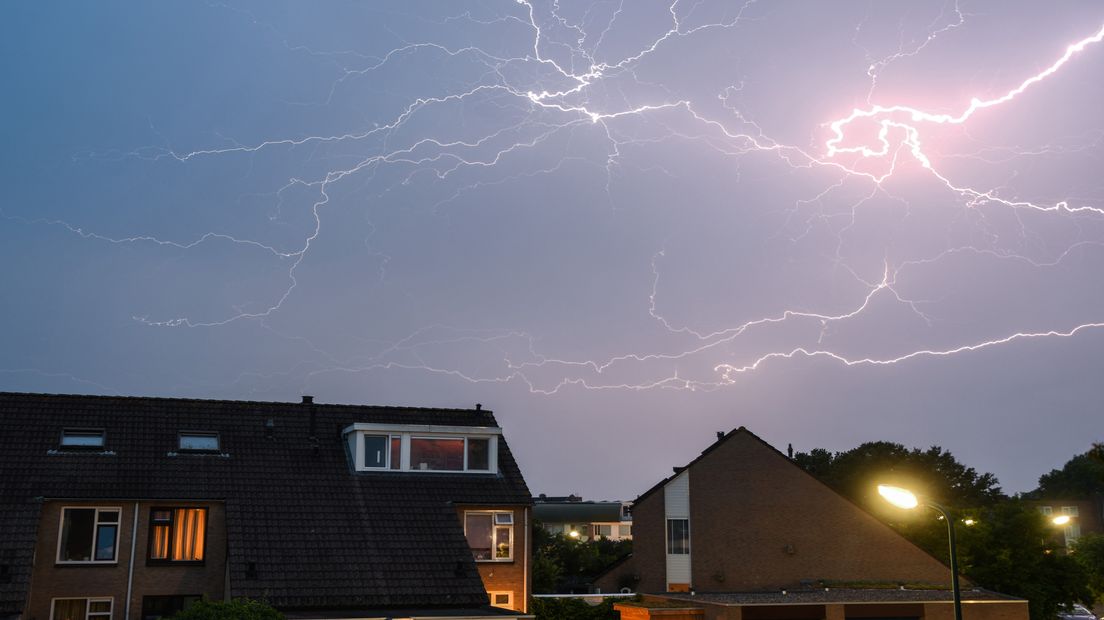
425 448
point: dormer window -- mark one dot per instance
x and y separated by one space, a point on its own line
191 441
82 438
423 448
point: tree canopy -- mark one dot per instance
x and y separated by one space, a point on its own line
1008 548
1080 478
237 609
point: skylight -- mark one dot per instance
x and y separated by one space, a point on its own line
199 442
82 438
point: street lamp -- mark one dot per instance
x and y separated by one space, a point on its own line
1061 520
903 498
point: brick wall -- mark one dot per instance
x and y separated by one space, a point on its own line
513 576
50 580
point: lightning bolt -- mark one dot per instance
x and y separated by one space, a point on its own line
572 84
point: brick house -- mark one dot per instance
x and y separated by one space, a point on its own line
1086 516
115 508
743 533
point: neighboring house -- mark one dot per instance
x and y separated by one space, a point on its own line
1086 516
590 520
116 508
742 532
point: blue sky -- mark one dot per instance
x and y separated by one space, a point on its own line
622 226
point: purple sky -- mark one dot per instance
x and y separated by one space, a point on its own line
621 225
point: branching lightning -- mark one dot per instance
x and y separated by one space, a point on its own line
569 78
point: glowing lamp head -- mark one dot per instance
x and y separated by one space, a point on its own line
970 521
1061 520
573 533
901 498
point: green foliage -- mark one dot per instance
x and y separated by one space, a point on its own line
237 609
1089 553
934 472
1006 550
573 609
1079 478
563 564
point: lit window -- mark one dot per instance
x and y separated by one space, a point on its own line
603 530
1047 510
437 454
678 536
199 442
82 438
88 535
490 535
82 609
177 534
504 600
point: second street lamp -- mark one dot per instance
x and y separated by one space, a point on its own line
903 498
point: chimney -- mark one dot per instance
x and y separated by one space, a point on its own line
720 435
479 406
789 450
308 400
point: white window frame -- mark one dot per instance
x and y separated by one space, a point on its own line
95 536
386 451
1046 510
667 535
182 434
494 514
87 432
356 433
1070 510
509 604
88 600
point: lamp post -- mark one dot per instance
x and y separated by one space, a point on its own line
903 498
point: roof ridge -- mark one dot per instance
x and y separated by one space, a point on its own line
264 403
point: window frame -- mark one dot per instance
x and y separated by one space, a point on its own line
669 538
509 598
180 442
88 430
95 538
152 561
402 436
88 600
495 525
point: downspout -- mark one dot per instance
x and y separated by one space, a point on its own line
130 569
525 564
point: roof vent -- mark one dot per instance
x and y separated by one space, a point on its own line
308 400
479 406
720 434
270 428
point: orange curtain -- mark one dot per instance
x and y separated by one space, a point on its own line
189 534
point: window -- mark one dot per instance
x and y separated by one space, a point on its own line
81 609
1069 510
490 535
88 535
626 530
1047 510
502 599
199 442
82 438
154 607
177 535
603 530
382 452
479 453
437 454
678 536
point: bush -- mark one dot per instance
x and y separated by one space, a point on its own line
237 609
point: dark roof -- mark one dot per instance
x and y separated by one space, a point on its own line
839 595
577 512
315 533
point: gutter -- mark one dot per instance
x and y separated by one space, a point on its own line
130 569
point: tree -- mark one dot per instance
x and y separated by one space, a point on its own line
237 609
1005 550
572 609
563 564
1079 478
1089 553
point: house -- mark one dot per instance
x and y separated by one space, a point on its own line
584 520
743 533
127 508
1086 516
